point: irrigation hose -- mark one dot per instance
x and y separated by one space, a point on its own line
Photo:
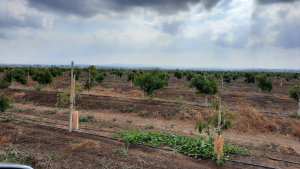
275 159
199 105
199 155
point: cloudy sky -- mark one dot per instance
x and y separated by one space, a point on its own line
189 33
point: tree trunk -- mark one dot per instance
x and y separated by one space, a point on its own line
131 82
114 77
205 100
48 86
176 79
222 81
259 91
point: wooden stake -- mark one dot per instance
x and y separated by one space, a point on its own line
12 80
71 98
75 120
219 121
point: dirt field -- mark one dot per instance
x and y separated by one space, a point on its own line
251 128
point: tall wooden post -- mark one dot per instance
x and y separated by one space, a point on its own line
219 121
71 98
12 79
89 79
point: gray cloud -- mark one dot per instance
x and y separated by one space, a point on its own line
89 8
265 2
171 27
289 35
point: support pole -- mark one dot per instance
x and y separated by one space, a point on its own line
71 98
298 104
89 79
12 79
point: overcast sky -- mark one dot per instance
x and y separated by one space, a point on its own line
189 33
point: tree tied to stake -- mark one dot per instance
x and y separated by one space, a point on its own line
249 77
77 73
204 86
227 78
294 93
4 102
64 98
263 83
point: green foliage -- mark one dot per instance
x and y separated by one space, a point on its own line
189 75
103 105
77 73
122 150
18 74
43 77
14 156
86 107
118 72
86 118
149 127
64 97
16 110
105 162
130 76
100 78
38 87
178 102
250 78
130 109
4 84
129 121
204 86
8 118
50 111
227 78
180 143
178 73
212 122
149 83
264 83
294 93
21 122
4 102
41 118
114 119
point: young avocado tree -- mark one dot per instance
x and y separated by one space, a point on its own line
43 77
92 74
130 77
227 78
4 102
249 78
100 78
294 93
149 82
18 74
189 75
263 83
178 74
204 86
118 72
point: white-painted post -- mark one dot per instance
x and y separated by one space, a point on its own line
71 98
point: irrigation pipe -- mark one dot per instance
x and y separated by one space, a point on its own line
192 104
275 159
199 155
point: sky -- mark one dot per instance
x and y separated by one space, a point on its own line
182 33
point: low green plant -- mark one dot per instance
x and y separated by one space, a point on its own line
4 84
178 102
190 145
50 111
66 112
41 118
130 109
106 84
38 87
110 125
14 156
106 162
86 118
121 151
21 122
87 107
129 121
274 145
181 109
149 127
114 119
226 85
8 118
103 105
142 114
4 102
15 110
27 99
